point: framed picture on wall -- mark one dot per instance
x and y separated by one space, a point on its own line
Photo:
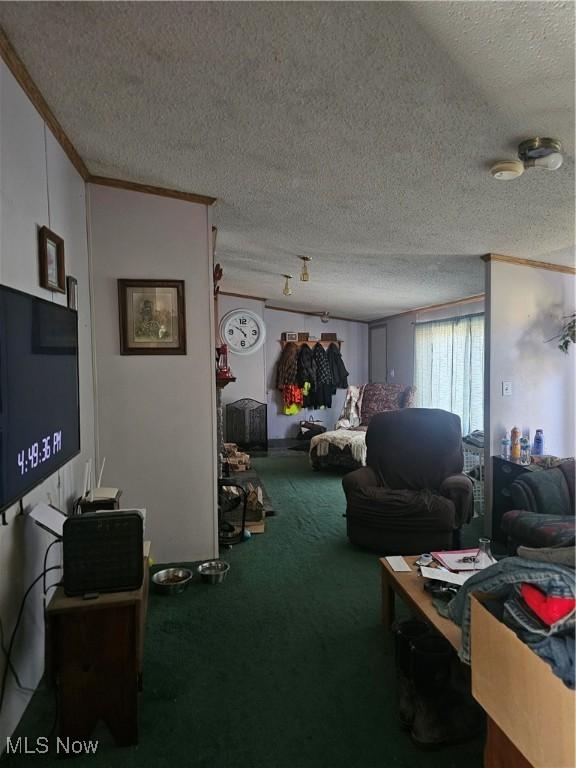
152 317
51 260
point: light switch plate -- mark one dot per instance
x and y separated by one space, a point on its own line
506 388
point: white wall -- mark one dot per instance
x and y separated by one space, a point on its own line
156 414
526 307
38 186
354 354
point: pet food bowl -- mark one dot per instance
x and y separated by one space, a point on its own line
171 581
213 571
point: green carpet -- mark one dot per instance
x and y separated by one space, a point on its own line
284 665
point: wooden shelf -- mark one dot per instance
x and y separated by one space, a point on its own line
312 342
222 381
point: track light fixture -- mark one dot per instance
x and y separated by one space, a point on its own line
304 274
287 288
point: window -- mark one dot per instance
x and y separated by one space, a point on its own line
449 368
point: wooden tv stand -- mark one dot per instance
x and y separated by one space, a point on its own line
94 654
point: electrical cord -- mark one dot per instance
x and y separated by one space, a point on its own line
44 567
17 624
9 663
2 647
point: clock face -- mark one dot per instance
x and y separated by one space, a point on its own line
243 331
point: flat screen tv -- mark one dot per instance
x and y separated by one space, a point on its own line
39 397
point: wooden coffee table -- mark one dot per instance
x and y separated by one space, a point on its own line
499 751
410 587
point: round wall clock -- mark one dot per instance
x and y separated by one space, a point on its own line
243 331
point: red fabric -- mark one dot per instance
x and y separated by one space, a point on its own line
549 609
292 395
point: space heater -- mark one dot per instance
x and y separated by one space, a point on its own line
103 552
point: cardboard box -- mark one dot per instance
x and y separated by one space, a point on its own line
254 504
519 691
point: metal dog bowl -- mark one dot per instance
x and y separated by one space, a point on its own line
171 581
213 571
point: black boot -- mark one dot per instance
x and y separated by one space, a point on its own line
444 712
404 633
430 660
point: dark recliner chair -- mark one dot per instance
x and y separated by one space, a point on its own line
543 514
412 496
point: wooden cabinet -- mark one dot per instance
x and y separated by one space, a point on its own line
94 654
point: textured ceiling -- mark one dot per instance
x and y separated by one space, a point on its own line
359 134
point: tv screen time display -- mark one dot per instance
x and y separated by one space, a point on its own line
39 400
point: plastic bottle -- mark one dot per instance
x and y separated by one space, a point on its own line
538 447
515 443
505 446
524 450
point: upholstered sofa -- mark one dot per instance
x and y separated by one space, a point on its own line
346 445
412 495
543 514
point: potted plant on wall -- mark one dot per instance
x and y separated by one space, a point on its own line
567 333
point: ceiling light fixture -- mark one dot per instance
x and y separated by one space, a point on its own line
541 153
304 274
287 289
533 153
325 317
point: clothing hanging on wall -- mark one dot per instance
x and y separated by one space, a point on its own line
323 388
308 377
293 399
286 372
337 367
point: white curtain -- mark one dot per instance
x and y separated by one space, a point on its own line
449 368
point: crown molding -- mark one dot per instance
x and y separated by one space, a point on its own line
530 263
22 76
242 296
16 66
316 314
285 309
148 189
432 307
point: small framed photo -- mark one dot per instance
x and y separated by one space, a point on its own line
152 317
51 260
72 292
290 336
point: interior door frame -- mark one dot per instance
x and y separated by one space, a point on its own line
377 327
